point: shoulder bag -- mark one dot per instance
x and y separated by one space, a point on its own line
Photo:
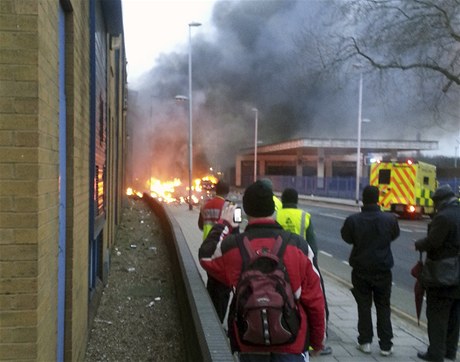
441 273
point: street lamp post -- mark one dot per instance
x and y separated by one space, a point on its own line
457 148
255 142
190 118
358 150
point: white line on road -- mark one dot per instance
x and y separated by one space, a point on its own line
333 216
414 230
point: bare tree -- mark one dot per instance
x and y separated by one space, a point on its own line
420 38
418 35
421 35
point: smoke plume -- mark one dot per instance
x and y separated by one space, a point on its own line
252 61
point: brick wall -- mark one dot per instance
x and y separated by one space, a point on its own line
78 125
19 180
29 160
48 176
29 177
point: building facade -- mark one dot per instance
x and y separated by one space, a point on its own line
319 157
62 138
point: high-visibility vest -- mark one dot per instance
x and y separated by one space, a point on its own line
296 221
211 213
278 203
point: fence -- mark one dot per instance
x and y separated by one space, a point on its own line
334 187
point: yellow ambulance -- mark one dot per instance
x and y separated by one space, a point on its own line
405 186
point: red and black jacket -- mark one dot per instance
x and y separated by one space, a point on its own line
220 256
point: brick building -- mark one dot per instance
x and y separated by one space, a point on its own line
62 134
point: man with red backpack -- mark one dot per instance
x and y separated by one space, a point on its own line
253 263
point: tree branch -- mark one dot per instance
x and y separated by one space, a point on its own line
395 65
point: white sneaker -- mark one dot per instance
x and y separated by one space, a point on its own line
365 348
386 353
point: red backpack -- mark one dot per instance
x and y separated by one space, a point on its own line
265 310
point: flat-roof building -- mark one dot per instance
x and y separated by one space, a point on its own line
319 157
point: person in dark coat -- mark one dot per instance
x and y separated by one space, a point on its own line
442 304
371 232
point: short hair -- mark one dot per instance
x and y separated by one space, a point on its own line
370 195
289 196
222 188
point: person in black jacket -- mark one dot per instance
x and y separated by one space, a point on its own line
371 232
442 304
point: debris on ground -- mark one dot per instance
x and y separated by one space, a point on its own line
138 316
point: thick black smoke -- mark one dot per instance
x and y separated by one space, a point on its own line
253 61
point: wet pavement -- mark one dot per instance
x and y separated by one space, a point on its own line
342 329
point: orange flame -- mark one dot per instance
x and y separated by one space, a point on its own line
174 191
164 191
131 192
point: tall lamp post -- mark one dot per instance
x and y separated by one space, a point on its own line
457 147
190 118
358 151
255 142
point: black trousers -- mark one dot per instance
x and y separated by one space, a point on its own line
220 295
368 287
315 263
443 315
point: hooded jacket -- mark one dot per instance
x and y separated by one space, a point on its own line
220 256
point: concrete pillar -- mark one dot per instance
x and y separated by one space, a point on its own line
299 168
320 168
261 167
299 164
238 171
328 162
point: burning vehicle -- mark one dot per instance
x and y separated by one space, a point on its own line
176 192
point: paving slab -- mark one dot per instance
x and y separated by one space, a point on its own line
342 330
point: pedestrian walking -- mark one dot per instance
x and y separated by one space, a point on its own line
223 255
442 303
298 221
371 233
210 213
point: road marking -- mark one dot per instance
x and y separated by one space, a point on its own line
414 230
333 216
324 253
345 262
419 230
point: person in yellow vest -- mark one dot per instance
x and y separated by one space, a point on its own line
210 213
278 203
276 200
298 221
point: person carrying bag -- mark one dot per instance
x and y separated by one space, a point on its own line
440 277
441 273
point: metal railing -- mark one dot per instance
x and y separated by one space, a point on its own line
334 187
